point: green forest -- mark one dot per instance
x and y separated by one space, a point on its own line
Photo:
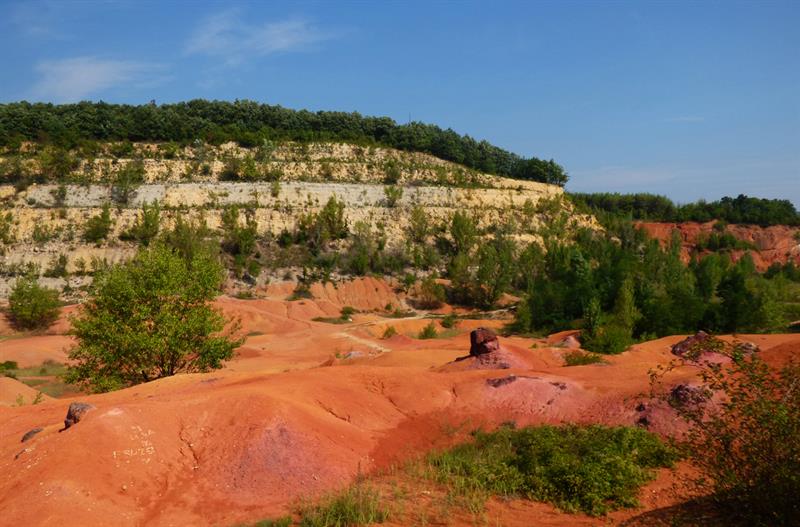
651 207
249 124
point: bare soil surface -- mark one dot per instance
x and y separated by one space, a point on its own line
305 409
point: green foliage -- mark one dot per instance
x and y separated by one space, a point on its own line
190 238
348 311
742 209
431 293
579 358
251 123
43 233
592 469
58 267
56 164
31 305
150 318
239 240
127 178
357 505
318 229
389 332
449 321
428 332
393 195
722 242
98 227
146 227
747 446
7 228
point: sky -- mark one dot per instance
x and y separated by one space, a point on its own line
692 100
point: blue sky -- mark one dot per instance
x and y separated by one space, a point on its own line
688 99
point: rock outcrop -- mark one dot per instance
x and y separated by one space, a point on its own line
75 413
482 341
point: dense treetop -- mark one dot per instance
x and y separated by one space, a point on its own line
742 209
249 123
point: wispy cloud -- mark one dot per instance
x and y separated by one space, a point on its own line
74 79
686 119
226 35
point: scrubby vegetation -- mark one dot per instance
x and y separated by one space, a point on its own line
745 435
32 306
742 209
592 469
150 318
251 125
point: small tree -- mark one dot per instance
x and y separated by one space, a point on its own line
32 306
98 227
150 318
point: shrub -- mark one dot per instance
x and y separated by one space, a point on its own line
98 227
450 321
592 469
6 228
150 318
32 306
126 180
393 195
348 311
431 293
748 446
579 358
428 332
389 332
58 267
358 505
145 229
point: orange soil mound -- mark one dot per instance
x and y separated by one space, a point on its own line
773 244
11 390
245 442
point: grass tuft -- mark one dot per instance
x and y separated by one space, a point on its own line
579 358
357 505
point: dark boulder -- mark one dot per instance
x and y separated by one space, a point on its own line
75 413
693 346
482 341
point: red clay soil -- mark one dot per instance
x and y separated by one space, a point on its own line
773 244
275 425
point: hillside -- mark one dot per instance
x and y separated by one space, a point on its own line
276 190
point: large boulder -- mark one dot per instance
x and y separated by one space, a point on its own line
482 341
693 346
75 413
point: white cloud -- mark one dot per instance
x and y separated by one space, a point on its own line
74 79
228 36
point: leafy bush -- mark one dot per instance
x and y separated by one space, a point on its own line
748 445
393 195
146 227
450 321
592 469
150 318
98 227
428 332
348 311
389 332
128 177
32 306
431 293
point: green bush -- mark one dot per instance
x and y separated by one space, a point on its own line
98 227
428 332
592 469
146 227
579 358
450 321
32 306
748 446
393 195
150 318
389 332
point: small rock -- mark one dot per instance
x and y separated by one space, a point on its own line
683 395
482 341
75 413
502 381
30 433
747 347
569 342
